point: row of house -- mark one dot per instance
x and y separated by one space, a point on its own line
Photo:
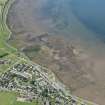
32 84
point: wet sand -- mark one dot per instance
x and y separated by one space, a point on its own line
28 18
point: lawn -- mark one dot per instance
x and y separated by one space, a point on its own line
25 103
9 98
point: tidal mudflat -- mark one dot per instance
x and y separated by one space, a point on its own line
51 34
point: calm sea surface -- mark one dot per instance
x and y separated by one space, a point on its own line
91 13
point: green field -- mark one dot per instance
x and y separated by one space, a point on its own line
4 31
9 98
25 103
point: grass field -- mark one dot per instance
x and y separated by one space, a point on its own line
4 31
25 103
9 98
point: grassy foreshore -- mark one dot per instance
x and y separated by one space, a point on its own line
6 98
4 31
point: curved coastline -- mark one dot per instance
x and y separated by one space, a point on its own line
5 27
